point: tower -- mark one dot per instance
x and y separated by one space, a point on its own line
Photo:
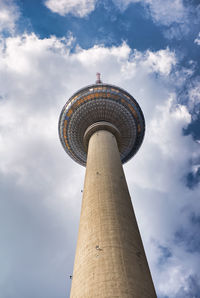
102 126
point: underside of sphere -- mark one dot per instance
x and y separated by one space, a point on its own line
101 103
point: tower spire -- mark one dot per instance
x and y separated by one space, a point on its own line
98 81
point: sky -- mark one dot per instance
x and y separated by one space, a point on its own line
48 50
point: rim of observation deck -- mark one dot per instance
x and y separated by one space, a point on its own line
139 136
98 85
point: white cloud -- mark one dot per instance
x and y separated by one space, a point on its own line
194 93
178 17
80 8
165 12
197 40
41 186
9 14
161 61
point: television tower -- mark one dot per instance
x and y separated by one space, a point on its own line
101 127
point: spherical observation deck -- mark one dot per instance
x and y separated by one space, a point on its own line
101 103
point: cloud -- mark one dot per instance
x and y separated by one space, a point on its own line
161 61
41 185
79 8
197 40
178 17
9 14
166 12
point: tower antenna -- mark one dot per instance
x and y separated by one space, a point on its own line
98 81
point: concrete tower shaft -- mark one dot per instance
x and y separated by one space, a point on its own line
110 259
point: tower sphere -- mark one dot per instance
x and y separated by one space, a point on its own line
101 106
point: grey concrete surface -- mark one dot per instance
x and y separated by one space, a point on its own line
110 260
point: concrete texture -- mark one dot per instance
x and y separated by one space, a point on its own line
110 260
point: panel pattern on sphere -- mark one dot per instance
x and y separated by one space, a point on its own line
101 103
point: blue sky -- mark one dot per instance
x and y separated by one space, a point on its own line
48 50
